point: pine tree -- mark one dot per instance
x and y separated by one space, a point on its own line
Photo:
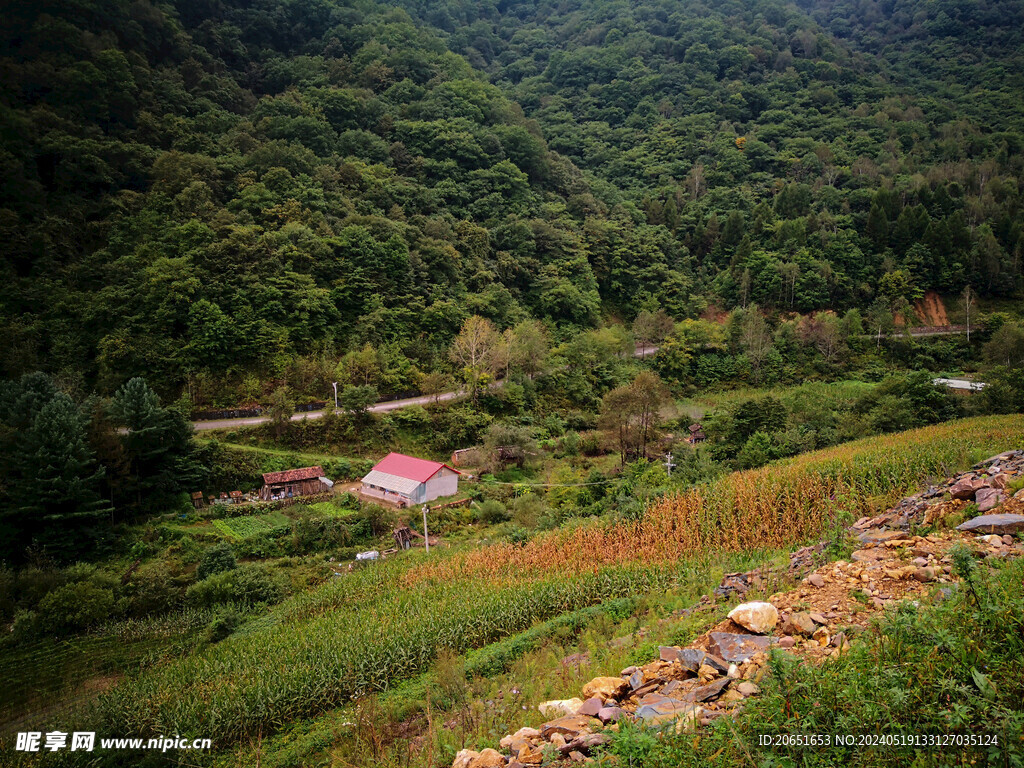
877 228
157 445
57 496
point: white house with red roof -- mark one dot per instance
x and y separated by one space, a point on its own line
403 480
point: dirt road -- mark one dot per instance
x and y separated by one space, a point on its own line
387 405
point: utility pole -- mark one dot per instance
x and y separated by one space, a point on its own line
668 463
335 395
426 535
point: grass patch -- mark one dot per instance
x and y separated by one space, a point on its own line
251 525
833 396
327 509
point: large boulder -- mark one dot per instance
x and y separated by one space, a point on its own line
709 691
583 744
489 758
1003 523
519 739
757 617
999 481
655 705
691 659
529 755
748 689
606 688
591 706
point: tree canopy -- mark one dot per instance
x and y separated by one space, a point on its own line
216 196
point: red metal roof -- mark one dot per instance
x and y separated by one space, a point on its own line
410 467
292 475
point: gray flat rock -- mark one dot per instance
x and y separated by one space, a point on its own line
1003 523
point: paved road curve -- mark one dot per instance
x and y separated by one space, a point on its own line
387 405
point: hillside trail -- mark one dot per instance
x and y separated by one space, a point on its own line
829 607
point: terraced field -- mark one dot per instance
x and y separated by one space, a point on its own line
372 628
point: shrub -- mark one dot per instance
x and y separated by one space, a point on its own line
32 584
518 536
25 626
75 607
376 518
528 509
153 589
216 559
591 445
347 500
553 424
449 678
320 535
8 591
493 512
571 442
247 585
224 624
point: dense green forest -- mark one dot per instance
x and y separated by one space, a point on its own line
242 192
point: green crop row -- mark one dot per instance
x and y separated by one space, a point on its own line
249 685
243 527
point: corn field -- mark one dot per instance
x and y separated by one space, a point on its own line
774 506
289 669
374 627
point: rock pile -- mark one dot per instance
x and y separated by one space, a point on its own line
738 584
685 688
989 484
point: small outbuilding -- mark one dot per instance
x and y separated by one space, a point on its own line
960 386
294 482
403 480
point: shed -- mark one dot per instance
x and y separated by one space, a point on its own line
402 480
466 457
960 386
293 482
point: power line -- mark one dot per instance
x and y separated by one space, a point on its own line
546 485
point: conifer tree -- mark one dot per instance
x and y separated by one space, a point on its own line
57 492
157 444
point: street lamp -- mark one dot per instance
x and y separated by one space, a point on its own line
335 395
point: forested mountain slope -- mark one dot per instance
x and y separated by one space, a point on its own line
198 190
747 118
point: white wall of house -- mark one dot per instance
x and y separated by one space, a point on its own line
443 483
